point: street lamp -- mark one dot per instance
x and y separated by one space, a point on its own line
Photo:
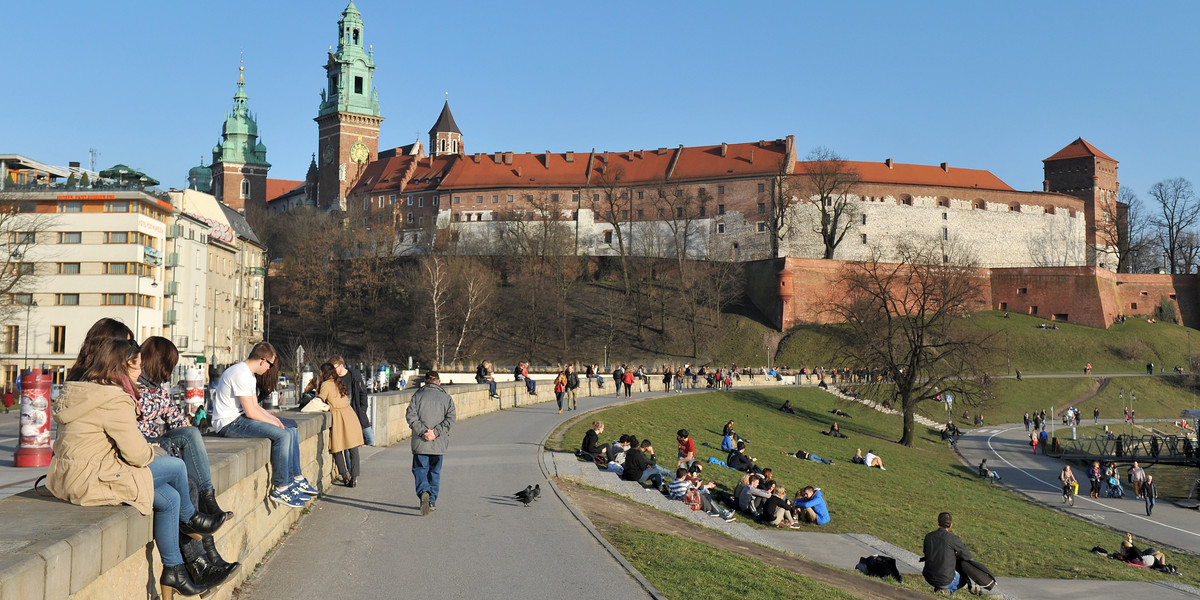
137 305
274 308
28 308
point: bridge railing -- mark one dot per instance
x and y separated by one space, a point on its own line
1154 448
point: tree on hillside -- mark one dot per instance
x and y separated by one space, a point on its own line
1176 211
785 193
906 318
611 203
1122 230
827 183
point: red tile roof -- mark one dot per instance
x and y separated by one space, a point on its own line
279 187
1079 149
879 172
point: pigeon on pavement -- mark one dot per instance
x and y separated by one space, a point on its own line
525 495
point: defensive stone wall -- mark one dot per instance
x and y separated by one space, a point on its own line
53 550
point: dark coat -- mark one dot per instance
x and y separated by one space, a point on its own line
357 391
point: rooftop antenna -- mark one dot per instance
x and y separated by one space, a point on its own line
93 154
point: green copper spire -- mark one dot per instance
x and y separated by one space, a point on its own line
239 135
350 70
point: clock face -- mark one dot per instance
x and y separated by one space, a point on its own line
359 153
327 154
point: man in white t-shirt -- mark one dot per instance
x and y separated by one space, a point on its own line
237 414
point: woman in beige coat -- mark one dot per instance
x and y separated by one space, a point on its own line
345 434
102 459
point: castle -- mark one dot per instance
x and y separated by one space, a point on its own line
711 202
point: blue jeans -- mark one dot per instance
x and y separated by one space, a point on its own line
558 397
285 445
955 583
654 474
1149 504
427 471
531 386
172 506
491 386
195 455
369 435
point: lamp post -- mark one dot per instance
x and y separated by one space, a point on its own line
28 308
137 305
274 308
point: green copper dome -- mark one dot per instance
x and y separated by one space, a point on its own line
239 143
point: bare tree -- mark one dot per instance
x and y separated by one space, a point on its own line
827 184
23 232
476 290
613 207
434 269
785 194
905 318
1177 211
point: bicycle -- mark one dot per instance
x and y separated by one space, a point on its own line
1068 494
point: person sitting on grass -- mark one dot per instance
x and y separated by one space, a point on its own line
591 442
687 480
640 466
802 455
738 460
753 494
787 407
872 460
984 471
776 510
836 431
810 506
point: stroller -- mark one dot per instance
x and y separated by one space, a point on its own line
1114 488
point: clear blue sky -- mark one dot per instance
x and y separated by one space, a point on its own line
995 86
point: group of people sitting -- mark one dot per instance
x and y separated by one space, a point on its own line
767 501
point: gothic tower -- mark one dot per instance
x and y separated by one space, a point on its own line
239 169
1083 171
444 137
348 119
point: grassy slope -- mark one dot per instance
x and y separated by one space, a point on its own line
899 505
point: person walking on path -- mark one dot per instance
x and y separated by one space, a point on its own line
572 387
943 550
430 417
1150 493
1096 415
1137 477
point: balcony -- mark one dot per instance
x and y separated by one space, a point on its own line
174 231
172 259
181 341
169 318
171 288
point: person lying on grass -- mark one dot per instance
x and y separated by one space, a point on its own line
802 455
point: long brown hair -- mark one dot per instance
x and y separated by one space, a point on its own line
110 364
102 330
329 372
159 356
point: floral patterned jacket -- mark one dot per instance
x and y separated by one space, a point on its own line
156 402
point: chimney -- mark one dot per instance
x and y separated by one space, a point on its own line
517 171
724 149
606 159
73 164
570 156
661 151
508 158
477 157
752 156
946 167
888 162
499 158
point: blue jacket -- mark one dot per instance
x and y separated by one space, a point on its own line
817 503
727 443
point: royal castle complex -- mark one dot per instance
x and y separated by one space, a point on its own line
1049 253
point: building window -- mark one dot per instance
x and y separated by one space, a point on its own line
1003 306
575 198
66 299
58 339
20 299
945 259
358 81
864 219
457 199
70 237
720 209
641 195
116 237
720 228
641 214
12 337
70 207
116 207
510 198
945 233
478 199
22 268
678 212
420 202
608 237
1133 306
114 299
495 198
116 269
409 200
864 238
762 227
720 190
703 210
762 187
409 219
762 208
595 197
1033 310
22 237
68 268
420 221
245 189
945 216
436 199
529 197
554 198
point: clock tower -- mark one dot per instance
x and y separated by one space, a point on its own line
348 119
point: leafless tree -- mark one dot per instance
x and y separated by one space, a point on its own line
785 194
437 282
24 234
827 184
1177 210
905 317
613 207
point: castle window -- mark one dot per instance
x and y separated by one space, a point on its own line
762 187
595 197
641 214
762 208
575 197
720 209
945 233
510 197
762 227
703 210
945 259
720 228
906 200
1033 310
678 212
420 221
641 195
454 145
529 197
436 200
608 239
495 198
358 85
1133 306
1003 306
1022 290
945 216
980 204
410 218
245 189
1014 207
355 37
457 199
420 202
443 145
720 190
478 199
864 222
864 238
554 198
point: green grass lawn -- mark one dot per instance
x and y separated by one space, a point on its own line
1011 535
681 568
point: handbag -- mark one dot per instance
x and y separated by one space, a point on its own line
316 405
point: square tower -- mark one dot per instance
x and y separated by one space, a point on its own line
1083 171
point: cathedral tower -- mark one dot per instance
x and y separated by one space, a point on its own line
348 119
1083 171
239 169
444 137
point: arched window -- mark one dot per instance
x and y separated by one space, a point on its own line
245 189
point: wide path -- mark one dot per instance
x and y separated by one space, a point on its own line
372 542
1007 450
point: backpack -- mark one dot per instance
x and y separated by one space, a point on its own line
977 573
692 499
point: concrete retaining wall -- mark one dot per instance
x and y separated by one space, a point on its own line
53 550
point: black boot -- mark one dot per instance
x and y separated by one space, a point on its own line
214 558
176 577
202 523
208 504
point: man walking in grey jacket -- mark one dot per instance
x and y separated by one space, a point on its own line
430 416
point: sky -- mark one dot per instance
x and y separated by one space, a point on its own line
996 86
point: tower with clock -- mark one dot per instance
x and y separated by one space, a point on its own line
348 119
